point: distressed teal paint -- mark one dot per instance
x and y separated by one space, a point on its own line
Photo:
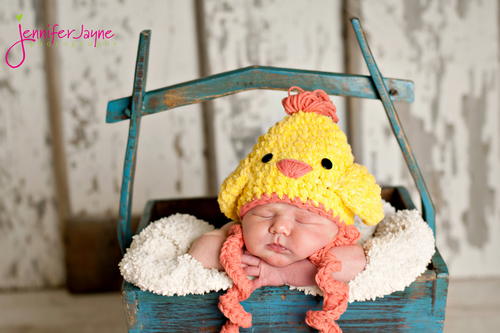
397 128
256 77
440 286
280 309
141 71
419 308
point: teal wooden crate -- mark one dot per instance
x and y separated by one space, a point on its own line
278 308
419 308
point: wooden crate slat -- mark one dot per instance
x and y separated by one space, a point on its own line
256 77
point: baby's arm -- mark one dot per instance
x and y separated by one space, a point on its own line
206 248
353 261
302 273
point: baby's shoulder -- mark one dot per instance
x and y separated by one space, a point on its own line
222 232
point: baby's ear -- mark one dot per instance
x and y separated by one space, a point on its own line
232 188
361 194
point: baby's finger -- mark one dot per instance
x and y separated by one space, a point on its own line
252 271
250 260
257 283
243 265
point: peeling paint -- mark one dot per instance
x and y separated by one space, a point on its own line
180 155
126 26
40 207
26 176
243 134
13 271
481 195
451 146
462 7
421 140
7 86
80 137
443 51
253 34
498 62
95 185
412 20
173 98
131 310
178 146
439 73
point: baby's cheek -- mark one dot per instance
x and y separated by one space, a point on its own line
251 243
298 246
310 242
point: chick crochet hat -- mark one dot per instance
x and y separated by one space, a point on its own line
304 160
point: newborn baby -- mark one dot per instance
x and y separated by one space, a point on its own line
279 238
292 201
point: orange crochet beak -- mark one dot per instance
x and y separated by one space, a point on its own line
293 168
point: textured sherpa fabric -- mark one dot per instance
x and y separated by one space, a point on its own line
397 253
157 260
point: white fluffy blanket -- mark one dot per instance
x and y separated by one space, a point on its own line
397 253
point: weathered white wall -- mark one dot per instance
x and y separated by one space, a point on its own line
31 250
170 161
279 33
450 49
170 157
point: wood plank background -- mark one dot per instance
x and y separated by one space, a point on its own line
450 48
31 250
291 34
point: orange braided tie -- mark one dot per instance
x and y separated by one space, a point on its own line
335 293
335 296
229 303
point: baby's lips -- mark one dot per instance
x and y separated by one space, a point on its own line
293 168
278 248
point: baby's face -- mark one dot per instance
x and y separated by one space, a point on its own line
282 234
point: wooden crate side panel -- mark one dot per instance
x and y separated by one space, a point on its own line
440 287
281 309
420 307
408 311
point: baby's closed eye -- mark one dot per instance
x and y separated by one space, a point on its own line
307 219
262 213
263 216
304 221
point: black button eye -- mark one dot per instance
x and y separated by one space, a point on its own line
267 158
326 163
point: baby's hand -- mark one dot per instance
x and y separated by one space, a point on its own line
266 275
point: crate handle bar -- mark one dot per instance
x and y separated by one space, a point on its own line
127 189
256 77
428 211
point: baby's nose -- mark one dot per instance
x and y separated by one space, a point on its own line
281 226
293 168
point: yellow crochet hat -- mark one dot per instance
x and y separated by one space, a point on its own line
304 160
